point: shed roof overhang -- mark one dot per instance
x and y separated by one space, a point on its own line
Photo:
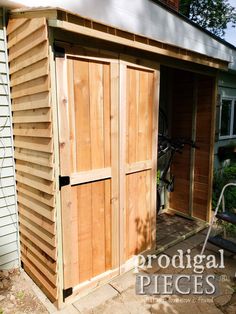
148 18
65 20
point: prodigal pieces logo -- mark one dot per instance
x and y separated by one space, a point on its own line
196 283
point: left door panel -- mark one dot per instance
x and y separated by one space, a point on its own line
88 137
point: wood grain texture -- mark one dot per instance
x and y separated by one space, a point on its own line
182 111
33 55
139 42
115 202
38 69
32 128
139 142
139 115
89 223
35 101
85 143
82 114
203 155
138 212
28 43
13 24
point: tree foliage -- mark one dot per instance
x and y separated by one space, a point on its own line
213 15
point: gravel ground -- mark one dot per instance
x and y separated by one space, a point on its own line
17 295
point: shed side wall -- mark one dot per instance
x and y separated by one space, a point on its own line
32 126
9 253
182 110
205 121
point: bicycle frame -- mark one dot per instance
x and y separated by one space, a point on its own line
172 146
167 167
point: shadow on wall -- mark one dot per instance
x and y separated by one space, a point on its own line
227 152
144 233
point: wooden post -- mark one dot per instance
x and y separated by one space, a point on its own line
122 161
154 156
115 164
212 145
54 103
192 157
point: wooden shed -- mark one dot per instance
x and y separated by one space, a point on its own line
85 100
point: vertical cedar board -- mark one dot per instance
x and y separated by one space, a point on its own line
86 215
182 111
205 141
138 139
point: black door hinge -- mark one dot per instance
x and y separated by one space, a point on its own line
66 293
63 181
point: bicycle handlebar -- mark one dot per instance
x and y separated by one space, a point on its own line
174 144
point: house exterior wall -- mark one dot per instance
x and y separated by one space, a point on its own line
9 253
226 88
174 4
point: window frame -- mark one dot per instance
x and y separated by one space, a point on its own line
233 111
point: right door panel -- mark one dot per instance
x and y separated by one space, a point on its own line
139 107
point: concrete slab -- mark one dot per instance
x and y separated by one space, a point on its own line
135 303
208 308
155 268
135 307
215 249
96 298
196 239
204 231
115 306
124 281
69 309
179 246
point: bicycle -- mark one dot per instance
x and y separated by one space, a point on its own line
168 147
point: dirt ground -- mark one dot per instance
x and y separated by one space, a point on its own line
17 296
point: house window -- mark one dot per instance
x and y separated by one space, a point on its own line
228 118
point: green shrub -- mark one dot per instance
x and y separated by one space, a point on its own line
222 177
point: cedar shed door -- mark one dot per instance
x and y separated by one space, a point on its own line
88 138
108 147
138 157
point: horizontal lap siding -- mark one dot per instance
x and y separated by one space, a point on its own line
9 254
32 128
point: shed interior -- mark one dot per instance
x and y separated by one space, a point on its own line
187 100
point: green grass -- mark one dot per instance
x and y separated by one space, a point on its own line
20 295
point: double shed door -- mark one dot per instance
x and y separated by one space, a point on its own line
108 147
